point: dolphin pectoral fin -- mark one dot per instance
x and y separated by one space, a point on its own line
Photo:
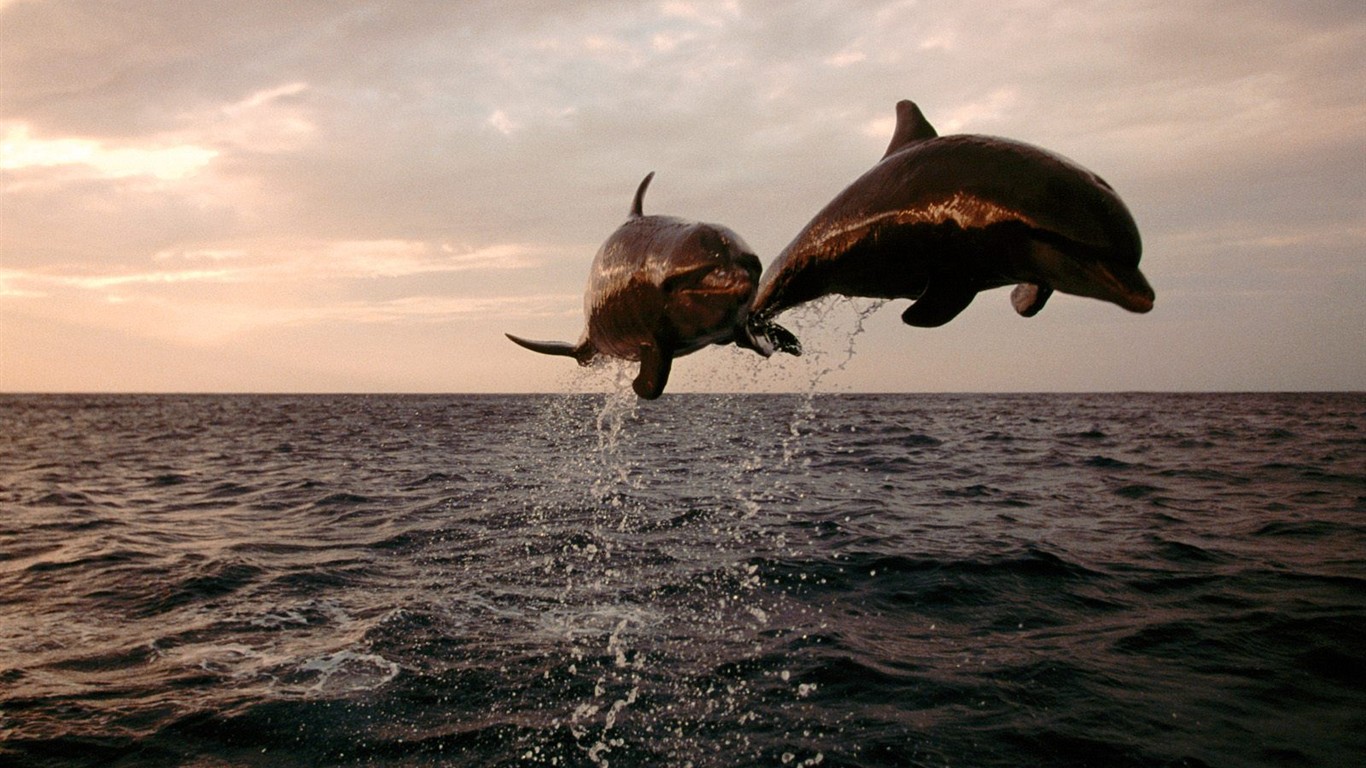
940 303
583 351
655 364
1029 298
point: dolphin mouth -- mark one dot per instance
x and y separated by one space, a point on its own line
720 290
1136 295
713 281
1138 303
1127 288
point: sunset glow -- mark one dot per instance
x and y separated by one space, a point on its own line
329 188
20 150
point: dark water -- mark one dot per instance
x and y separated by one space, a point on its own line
1052 580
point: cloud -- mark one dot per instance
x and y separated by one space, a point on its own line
501 123
711 14
257 123
311 263
270 120
217 294
168 162
354 160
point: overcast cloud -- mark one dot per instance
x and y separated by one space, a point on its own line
340 196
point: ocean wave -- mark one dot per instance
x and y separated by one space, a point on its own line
733 580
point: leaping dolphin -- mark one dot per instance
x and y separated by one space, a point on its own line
661 287
941 218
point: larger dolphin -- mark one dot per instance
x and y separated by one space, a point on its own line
941 218
661 287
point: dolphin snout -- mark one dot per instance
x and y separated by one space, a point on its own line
1128 289
1140 302
750 263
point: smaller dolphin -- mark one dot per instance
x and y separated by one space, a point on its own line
941 218
661 287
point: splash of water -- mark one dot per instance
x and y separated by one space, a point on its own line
600 474
819 361
618 405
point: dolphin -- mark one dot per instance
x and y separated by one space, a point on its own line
941 218
661 287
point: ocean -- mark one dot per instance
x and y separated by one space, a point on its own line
704 580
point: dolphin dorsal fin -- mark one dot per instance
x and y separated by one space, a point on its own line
911 126
636 211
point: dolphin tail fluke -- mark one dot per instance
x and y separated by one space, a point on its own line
583 352
655 364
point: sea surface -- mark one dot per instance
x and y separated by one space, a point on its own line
705 580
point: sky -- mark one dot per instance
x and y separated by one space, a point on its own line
330 196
